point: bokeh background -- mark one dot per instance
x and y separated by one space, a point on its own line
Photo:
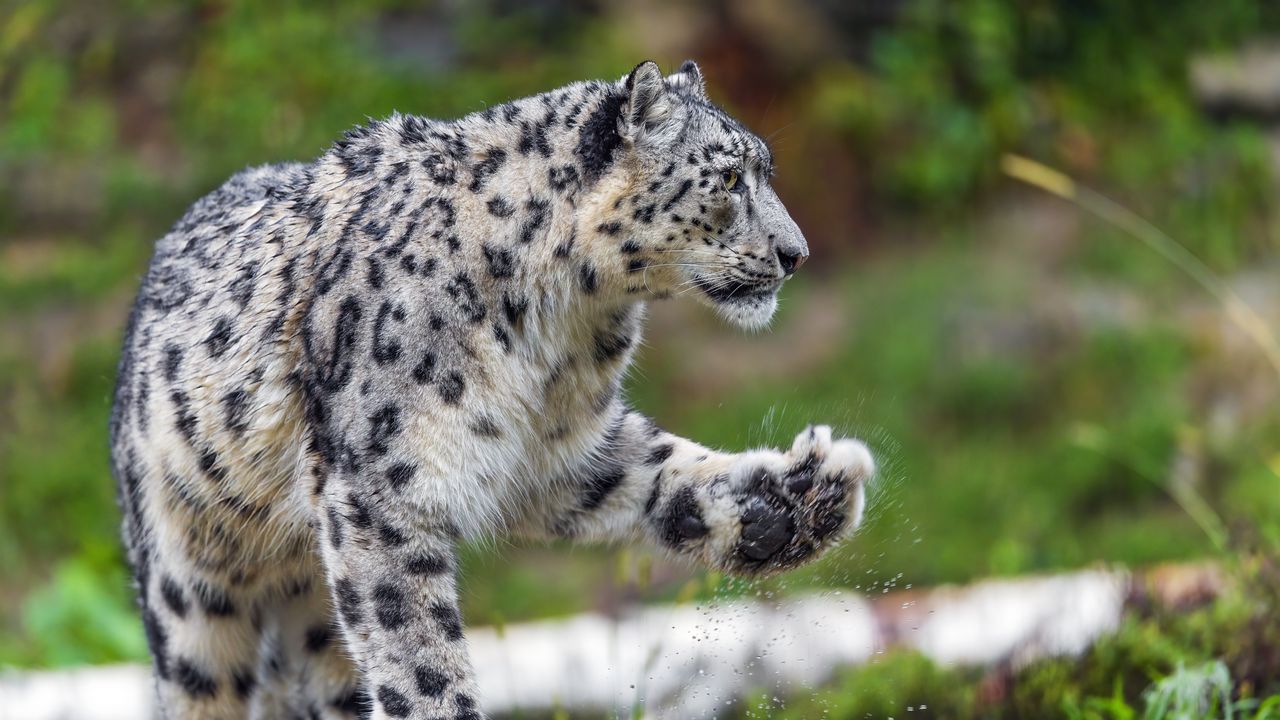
1045 392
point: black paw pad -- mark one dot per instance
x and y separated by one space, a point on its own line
800 485
800 477
829 511
765 530
682 520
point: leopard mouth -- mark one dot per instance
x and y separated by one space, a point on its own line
734 291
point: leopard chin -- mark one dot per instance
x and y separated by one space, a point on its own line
749 306
750 313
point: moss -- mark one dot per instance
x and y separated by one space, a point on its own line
1229 644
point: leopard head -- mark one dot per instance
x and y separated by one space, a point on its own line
701 219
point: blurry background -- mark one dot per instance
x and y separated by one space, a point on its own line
1045 392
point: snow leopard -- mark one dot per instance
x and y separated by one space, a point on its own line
337 372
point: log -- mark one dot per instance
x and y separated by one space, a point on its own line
692 661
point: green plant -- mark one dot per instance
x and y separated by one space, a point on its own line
1191 694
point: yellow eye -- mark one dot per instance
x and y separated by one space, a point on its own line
730 179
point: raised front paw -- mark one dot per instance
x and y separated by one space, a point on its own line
791 506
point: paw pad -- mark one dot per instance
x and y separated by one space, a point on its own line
683 519
765 530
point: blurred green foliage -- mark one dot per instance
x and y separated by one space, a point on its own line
1099 89
1009 444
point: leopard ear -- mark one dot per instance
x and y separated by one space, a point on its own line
647 105
688 79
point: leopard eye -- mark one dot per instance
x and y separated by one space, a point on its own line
730 178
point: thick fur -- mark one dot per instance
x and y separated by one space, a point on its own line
336 371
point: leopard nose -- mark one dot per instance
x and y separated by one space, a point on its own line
790 263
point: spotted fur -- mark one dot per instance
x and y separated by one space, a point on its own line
336 371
